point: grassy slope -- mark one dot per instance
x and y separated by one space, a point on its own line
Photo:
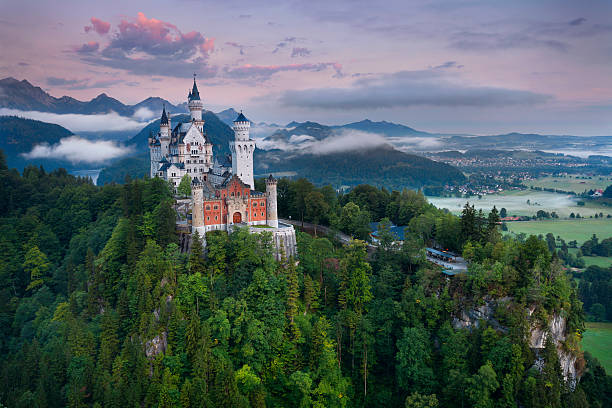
597 340
571 183
579 230
603 261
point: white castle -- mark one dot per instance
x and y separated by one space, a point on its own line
222 196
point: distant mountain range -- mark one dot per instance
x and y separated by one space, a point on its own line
24 96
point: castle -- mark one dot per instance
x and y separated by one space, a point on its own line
222 196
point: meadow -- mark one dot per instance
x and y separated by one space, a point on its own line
576 229
597 340
602 261
572 182
524 202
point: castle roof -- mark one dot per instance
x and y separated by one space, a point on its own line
164 117
241 118
194 95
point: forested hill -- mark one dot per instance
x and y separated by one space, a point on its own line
99 308
382 166
19 135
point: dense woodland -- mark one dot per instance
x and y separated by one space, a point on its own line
101 309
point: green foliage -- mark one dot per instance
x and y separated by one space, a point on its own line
100 308
184 187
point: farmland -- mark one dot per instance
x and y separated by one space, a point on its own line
525 202
597 340
577 229
572 182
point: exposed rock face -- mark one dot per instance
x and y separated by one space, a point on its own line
472 317
156 345
556 328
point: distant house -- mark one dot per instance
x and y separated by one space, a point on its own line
397 231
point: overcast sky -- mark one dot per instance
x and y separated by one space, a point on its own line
445 66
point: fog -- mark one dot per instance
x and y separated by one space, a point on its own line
82 123
78 150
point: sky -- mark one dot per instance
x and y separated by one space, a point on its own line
448 66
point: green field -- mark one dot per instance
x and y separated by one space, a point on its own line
579 230
602 261
524 202
597 340
575 183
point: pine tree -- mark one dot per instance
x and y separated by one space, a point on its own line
37 266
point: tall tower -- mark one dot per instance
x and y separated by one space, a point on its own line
271 213
197 211
164 134
195 106
242 148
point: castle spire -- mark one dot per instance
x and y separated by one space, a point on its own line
164 117
194 94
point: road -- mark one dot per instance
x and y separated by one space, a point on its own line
342 237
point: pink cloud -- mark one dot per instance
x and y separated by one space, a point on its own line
99 26
266 71
157 37
89 47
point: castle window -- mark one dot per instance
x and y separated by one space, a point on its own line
173 174
208 208
216 207
254 204
207 218
232 193
263 204
216 218
262 214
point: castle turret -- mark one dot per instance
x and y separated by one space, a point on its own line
271 212
197 212
195 106
242 148
164 134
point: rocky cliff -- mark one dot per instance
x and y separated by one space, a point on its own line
555 327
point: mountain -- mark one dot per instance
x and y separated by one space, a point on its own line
388 129
313 129
228 116
382 166
18 135
24 96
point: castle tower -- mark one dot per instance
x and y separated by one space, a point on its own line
164 134
242 148
271 213
197 212
195 106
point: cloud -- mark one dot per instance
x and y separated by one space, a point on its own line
99 26
483 41
348 140
408 88
266 71
55 81
78 150
148 46
236 45
78 84
109 122
300 52
577 21
143 114
448 64
91 46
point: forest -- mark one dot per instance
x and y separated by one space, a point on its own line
99 307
